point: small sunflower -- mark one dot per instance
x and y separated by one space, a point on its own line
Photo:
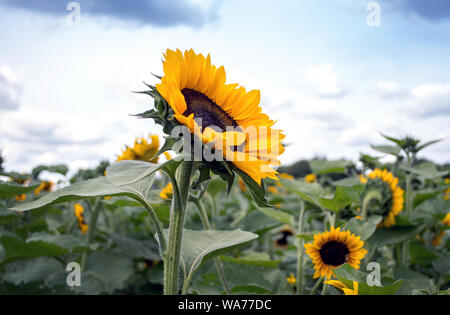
195 89
392 196
362 179
343 287
272 190
310 178
283 236
446 220
44 186
79 213
143 149
167 192
332 249
21 197
291 279
437 239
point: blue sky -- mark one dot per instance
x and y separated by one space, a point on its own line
332 81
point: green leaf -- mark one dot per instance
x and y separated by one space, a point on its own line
343 196
136 248
421 197
198 247
388 149
363 228
23 272
257 191
254 259
125 178
421 255
421 147
17 249
426 169
278 215
60 169
320 167
71 243
393 235
12 190
347 274
308 191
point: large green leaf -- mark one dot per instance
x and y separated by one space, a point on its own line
36 269
197 247
254 259
125 178
320 167
12 190
388 149
343 196
278 215
17 249
363 228
421 255
426 169
393 235
308 191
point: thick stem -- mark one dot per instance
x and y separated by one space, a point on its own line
408 205
207 226
300 250
316 285
181 185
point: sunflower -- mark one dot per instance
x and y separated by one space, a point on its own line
283 236
167 192
392 198
310 178
343 287
196 91
144 150
44 186
79 213
333 248
291 279
21 197
446 220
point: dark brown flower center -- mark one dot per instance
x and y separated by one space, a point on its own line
204 108
283 240
334 253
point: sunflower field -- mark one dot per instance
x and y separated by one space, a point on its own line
163 219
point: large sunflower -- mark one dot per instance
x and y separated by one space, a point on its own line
392 198
195 90
332 249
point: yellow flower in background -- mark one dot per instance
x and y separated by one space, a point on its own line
446 220
195 89
332 249
79 213
437 239
242 186
272 190
396 198
143 150
343 287
291 279
310 178
362 179
283 236
167 192
44 186
21 198
286 176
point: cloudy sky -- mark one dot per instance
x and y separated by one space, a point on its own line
333 81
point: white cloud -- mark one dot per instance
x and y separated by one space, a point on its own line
324 80
10 89
432 99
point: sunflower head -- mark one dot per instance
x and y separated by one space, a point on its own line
391 196
79 213
21 197
167 192
225 118
143 149
310 178
283 237
334 248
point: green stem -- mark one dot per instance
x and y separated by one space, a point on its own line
300 250
207 226
158 226
181 185
408 205
316 285
95 210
